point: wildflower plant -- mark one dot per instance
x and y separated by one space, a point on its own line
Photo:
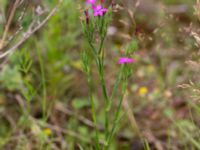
95 23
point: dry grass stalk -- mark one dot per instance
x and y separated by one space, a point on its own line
10 18
197 9
33 27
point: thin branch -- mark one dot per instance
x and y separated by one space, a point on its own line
61 108
10 18
30 32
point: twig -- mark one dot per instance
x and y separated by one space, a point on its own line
84 120
30 32
131 117
8 24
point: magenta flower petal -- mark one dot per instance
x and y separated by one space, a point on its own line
92 2
104 10
125 60
99 10
98 7
96 14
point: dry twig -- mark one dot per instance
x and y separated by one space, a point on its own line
31 30
10 18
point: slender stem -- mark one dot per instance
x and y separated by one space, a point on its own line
117 115
132 119
93 48
89 78
13 9
99 59
101 45
116 84
102 78
105 94
44 93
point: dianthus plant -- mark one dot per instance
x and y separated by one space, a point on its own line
95 24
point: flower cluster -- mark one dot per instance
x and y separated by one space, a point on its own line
98 10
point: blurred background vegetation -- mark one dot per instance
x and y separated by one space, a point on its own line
48 66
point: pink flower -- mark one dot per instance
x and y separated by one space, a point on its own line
125 60
99 10
91 2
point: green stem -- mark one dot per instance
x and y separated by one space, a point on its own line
93 49
105 94
44 93
93 110
99 59
117 115
117 82
101 45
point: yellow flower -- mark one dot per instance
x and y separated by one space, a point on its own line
143 91
47 131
